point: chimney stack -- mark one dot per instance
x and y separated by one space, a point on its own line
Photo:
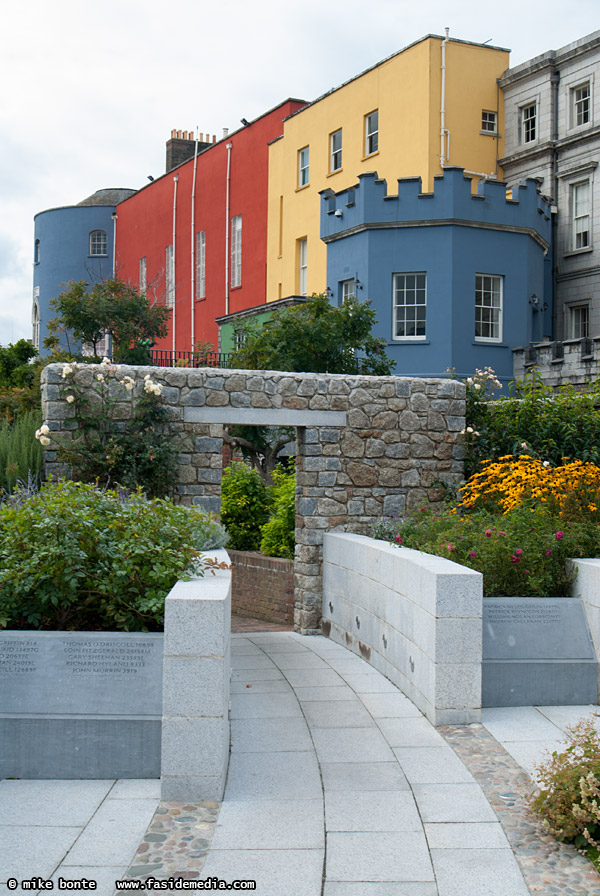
182 146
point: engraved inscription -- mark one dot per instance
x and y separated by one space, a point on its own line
99 657
517 615
18 656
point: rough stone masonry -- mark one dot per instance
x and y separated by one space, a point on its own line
367 446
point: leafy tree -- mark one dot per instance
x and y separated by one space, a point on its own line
315 337
15 367
260 445
110 307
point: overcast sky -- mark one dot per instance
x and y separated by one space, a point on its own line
90 93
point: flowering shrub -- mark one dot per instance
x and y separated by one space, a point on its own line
545 423
73 556
106 448
568 799
570 491
519 522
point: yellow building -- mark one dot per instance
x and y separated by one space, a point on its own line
434 103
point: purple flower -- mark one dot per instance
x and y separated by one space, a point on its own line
558 535
472 555
518 552
548 552
488 533
514 559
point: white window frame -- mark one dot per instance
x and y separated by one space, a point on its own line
529 131
303 166
578 314
581 216
335 151
236 251
98 242
416 289
489 124
142 276
372 132
169 277
302 266
582 107
348 290
201 265
493 291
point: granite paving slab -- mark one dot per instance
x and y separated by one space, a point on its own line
34 850
371 811
283 824
277 872
35 801
378 857
113 834
493 872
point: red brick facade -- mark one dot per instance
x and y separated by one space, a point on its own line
262 587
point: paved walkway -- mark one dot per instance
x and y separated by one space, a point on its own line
337 786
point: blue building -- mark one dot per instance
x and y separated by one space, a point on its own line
74 242
457 279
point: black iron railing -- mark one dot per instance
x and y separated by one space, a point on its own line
167 358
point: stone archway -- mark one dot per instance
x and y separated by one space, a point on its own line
368 447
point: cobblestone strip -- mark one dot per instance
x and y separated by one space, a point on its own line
549 867
176 843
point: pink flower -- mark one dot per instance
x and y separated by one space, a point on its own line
526 572
398 539
548 552
518 552
488 533
558 535
501 533
472 555
514 559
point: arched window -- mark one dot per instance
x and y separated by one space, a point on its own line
98 242
36 252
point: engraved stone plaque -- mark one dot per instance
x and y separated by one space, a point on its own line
537 651
80 704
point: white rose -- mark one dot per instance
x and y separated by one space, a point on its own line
44 429
100 377
66 371
45 441
70 399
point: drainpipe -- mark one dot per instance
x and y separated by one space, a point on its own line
443 131
229 147
114 217
554 82
175 181
193 248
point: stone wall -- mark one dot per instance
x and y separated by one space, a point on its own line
367 447
262 587
574 361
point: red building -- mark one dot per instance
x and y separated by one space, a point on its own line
220 196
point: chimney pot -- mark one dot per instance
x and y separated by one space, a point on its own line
173 133
214 139
201 138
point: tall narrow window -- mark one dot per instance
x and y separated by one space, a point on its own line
488 307
236 251
529 123
335 151
36 252
303 166
348 290
410 305
36 317
580 98
201 265
580 199
98 242
579 321
372 132
169 277
302 266
142 280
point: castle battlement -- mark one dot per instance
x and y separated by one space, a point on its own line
451 202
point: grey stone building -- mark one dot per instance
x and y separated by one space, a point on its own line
552 133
